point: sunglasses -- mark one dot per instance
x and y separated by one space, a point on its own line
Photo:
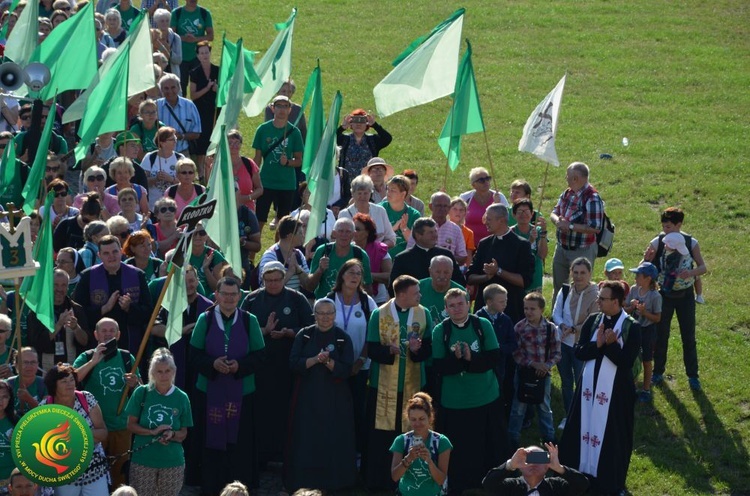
187 172
485 179
164 210
97 177
125 234
202 232
61 194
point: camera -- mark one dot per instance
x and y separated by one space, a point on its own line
537 457
359 119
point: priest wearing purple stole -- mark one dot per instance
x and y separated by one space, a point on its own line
226 349
598 436
116 290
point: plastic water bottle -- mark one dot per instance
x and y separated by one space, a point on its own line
625 142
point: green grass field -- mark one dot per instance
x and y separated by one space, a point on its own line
672 77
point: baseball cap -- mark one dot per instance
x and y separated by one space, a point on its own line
613 264
647 269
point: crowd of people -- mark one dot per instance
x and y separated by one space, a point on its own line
404 347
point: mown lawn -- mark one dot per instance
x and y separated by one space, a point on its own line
672 77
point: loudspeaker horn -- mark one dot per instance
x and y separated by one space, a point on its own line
36 76
11 76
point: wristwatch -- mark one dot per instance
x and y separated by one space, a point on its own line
570 226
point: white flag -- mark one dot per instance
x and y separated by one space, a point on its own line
427 73
541 127
274 69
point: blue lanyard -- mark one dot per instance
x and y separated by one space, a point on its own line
344 314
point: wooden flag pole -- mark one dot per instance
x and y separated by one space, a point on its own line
146 335
489 159
18 310
544 184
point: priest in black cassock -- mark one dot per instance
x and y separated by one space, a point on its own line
598 436
503 258
415 261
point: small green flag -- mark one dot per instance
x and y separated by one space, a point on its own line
25 35
10 179
317 120
69 52
35 180
465 116
37 289
107 106
274 69
323 170
4 30
222 226
175 302
227 70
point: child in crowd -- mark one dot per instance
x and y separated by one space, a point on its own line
644 304
614 270
495 301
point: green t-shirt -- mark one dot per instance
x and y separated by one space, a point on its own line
434 301
197 262
194 23
6 460
106 382
467 389
148 136
128 16
394 217
373 336
272 174
328 279
417 480
255 343
153 409
537 280
37 390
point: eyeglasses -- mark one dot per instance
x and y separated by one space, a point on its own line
187 172
125 234
61 194
274 280
485 179
98 177
325 314
202 232
229 295
148 112
603 298
30 362
164 210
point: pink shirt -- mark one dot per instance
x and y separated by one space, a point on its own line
450 237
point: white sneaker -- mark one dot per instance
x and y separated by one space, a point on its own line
272 225
562 424
699 299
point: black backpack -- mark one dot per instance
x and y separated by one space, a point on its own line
448 327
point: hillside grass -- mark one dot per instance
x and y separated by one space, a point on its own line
672 77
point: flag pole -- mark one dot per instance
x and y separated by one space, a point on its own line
544 183
489 160
448 156
146 334
18 310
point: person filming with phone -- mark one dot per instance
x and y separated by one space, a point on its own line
534 463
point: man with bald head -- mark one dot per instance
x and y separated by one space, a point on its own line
433 288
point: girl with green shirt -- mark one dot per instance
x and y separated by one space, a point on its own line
159 415
7 422
420 456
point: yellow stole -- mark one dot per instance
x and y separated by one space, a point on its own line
392 332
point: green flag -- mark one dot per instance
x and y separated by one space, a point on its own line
175 302
227 69
10 180
465 116
35 180
316 122
25 35
274 69
140 67
222 226
37 289
323 170
107 106
69 52
231 111
427 71
4 30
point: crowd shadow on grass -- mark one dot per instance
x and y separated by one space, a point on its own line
707 451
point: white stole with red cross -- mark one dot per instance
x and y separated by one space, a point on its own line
595 403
